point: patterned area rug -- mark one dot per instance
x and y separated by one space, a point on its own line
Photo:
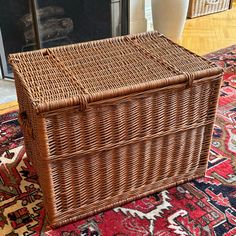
206 206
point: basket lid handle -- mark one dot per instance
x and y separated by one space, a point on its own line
25 124
146 53
82 98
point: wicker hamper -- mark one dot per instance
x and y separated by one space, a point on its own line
110 121
204 7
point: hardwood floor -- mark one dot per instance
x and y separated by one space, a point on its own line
7 107
210 33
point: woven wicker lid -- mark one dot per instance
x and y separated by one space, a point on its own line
78 74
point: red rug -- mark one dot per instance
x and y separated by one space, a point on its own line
206 206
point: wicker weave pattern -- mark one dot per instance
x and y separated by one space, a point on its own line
65 68
204 7
137 120
147 130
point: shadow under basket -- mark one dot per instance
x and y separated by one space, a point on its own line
110 121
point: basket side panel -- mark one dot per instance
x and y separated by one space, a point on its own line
35 142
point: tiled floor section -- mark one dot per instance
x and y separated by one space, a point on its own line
7 91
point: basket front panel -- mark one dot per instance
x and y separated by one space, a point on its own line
111 123
119 149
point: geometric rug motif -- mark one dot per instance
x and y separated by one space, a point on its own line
205 206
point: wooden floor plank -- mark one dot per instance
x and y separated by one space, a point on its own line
210 33
7 107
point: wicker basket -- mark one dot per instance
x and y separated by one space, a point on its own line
110 121
204 7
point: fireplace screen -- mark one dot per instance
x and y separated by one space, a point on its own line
29 25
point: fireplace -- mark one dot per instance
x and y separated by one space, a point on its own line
29 25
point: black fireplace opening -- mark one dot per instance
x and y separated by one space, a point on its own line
29 25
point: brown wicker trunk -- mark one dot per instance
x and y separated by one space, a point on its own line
205 7
110 121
